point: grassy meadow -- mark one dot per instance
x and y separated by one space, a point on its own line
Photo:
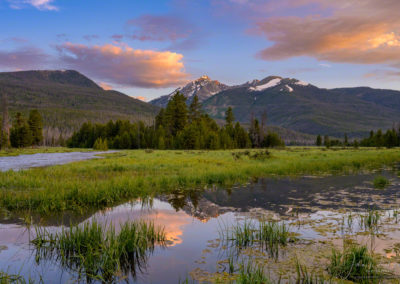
117 177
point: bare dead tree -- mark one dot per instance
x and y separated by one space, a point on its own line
5 128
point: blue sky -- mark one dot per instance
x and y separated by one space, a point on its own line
148 48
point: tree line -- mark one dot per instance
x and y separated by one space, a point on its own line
389 139
178 126
24 132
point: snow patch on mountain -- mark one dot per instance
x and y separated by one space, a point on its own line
290 89
270 84
301 83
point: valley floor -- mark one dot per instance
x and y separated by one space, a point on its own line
130 174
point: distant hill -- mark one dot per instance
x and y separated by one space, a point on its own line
302 107
66 99
203 87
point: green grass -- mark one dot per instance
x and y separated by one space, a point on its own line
355 263
381 182
130 174
96 252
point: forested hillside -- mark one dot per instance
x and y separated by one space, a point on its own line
66 99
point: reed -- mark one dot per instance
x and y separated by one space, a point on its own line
97 252
355 263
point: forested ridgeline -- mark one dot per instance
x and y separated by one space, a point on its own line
178 126
389 139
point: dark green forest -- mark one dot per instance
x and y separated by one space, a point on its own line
389 139
178 126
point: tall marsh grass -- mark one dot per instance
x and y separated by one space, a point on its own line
97 252
267 235
355 263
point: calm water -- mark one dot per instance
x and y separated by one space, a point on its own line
44 159
193 219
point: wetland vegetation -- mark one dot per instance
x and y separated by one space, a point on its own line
129 174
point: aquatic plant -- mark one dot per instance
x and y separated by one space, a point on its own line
7 278
354 263
267 235
97 252
304 276
370 221
251 274
381 182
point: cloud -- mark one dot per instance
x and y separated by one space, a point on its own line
125 66
105 86
141 98
383 74
23 58
159 28
90 37
349 31
38 4
175 30
117 37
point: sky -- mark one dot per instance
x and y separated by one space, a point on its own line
148 48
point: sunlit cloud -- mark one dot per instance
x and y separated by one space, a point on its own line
38 4
141 98
125 66
353 32
105 86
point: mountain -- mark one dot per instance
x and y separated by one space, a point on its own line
66 99
203 87
299 106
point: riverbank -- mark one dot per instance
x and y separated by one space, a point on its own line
130 174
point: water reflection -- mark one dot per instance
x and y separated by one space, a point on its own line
192 219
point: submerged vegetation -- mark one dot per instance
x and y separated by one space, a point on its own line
129 174
96 252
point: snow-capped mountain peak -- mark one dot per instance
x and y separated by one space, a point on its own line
203 87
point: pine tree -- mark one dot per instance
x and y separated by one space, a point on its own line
176 113
195 110
229 117
327 142
319 140
36 127
346 140
20 134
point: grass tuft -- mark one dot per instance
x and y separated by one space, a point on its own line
99 253
354 263
381 182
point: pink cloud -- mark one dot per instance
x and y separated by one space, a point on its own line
23 58
125 66
141 98
105 86
350 31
